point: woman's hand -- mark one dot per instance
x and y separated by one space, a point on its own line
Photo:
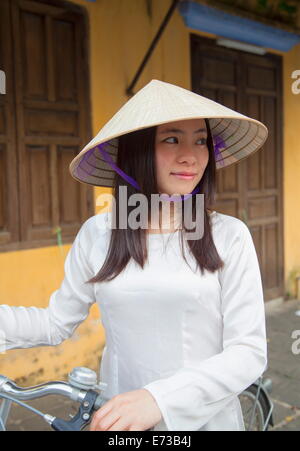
135 410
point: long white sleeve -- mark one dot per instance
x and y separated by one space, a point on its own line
193 395
26 327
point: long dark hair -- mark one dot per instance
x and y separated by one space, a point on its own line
136 152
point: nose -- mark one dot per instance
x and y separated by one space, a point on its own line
187 155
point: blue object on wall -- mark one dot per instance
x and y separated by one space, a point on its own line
205 18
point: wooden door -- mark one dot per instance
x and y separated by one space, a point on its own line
50 117
251 189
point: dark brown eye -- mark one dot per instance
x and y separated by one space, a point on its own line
204 140
171 137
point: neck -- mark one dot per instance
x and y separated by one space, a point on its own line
167 218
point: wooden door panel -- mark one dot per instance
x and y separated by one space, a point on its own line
255 163
38 160
272 252
33 55
271 176
251 189
65 56
69 209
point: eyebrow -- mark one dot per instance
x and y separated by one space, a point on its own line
178 130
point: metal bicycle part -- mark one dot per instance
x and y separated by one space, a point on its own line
257 406
81 388
81 419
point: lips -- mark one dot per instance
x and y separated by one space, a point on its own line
184 175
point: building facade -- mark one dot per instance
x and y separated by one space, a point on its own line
67 66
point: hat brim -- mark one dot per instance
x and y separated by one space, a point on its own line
240 138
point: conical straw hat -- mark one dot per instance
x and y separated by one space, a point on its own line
235 136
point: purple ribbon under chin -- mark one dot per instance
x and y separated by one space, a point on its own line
133 182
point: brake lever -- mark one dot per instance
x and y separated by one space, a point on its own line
83 416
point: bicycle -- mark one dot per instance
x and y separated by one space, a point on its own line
257 406
82 387
82 384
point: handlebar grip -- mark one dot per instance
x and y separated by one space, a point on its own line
63 425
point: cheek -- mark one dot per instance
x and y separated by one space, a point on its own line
162 161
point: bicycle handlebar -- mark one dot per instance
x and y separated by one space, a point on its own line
81 388
51 388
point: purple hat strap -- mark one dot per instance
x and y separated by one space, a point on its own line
218 145
111 162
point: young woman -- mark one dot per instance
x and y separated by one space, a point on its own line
184 316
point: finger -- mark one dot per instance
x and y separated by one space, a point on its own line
106 422
121 424
99 414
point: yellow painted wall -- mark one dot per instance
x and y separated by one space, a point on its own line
291 178
120 34
28 278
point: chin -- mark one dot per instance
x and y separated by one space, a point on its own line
178 192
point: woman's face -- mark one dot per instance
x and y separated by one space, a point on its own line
180 147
